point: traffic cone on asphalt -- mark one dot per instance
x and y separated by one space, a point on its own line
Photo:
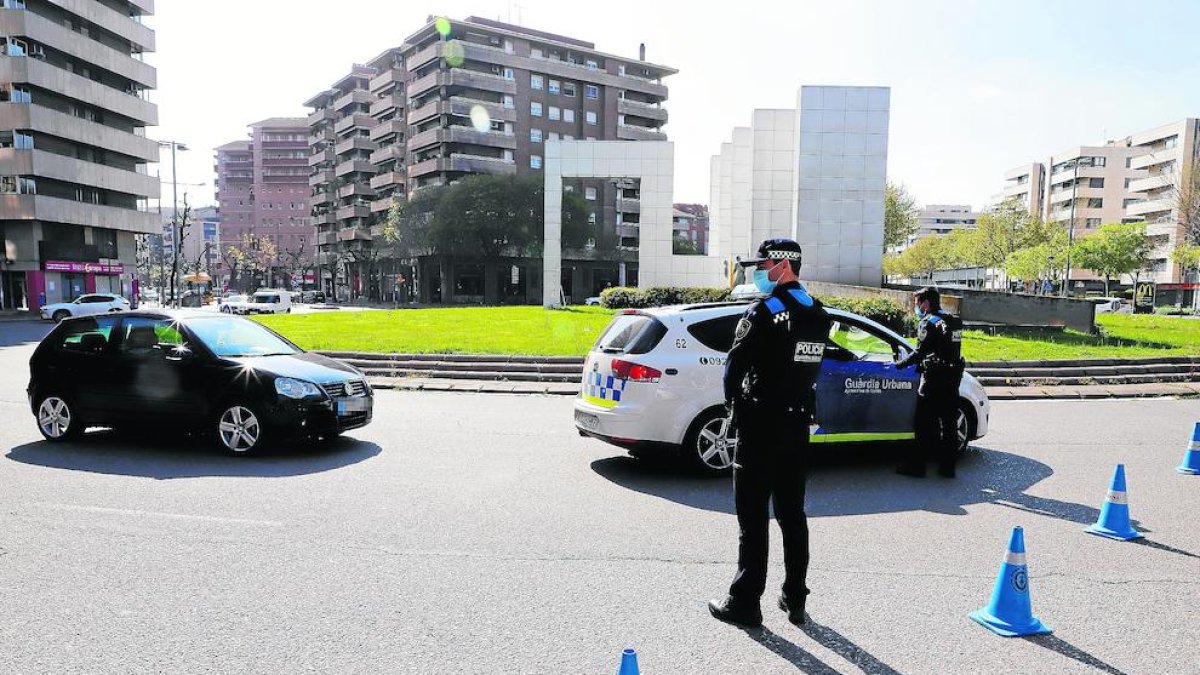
1191 460
1009 612
629 664
1114 515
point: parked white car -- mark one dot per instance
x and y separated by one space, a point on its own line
1108 304
653 381
270 301
92 303
235 304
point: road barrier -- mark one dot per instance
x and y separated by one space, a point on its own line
1009 612
1114 515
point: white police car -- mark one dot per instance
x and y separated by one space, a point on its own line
653 381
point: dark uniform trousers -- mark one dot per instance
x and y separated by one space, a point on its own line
771 468
937 420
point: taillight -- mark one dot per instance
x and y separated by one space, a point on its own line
636 372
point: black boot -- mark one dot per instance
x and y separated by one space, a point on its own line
794 609
739 613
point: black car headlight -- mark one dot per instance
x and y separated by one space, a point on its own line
297 389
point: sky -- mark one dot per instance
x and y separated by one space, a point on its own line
977 87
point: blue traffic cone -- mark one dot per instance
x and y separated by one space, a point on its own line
1114 515
1191 460
629 664
1009 613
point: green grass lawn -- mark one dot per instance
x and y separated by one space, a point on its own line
571 332
452 330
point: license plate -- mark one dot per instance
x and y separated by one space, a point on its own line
347 406
587 421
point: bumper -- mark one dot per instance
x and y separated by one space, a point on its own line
621 426
300 418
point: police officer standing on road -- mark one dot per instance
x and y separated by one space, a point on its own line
769 380
939 360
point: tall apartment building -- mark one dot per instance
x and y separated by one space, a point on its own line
340 146
1133 179
201 244
481 96
690 221
73 151
940 220
1168 155
262 189
1027 185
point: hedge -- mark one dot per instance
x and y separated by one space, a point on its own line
882 310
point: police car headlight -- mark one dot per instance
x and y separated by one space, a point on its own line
297 389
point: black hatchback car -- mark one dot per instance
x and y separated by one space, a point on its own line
228 376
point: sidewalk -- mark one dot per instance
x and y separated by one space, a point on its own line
10 315
1081 392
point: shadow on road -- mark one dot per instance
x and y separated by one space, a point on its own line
867 486
790 651
14 333
117 454
1164 547
1056 644
839 644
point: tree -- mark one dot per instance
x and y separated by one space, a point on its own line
1116 249
482 215
1186 192
899 215
234 259
1006 228
179 232
681 245
577 232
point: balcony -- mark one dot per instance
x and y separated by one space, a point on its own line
481 164
380 205
326 155
463 135
432 109
386 130
1151 183
423 56
327 238
56 210
386 104
651 111
353 234
462 105
627 230
354 211
423 84
354 143
322 115
391 153
355 188
387 80
471 79
1150 206
354 166
327 218
628 132
321 197
387 179
321 177
349 122
629 205
322 134
355 97
1153 158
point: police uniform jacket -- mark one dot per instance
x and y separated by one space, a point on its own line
939 347
777 351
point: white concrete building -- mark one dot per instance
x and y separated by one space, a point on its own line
816 174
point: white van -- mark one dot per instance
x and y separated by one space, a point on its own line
270 301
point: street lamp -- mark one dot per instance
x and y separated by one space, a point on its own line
175 228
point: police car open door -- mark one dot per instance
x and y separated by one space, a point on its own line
861 396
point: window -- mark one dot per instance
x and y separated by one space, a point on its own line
592 218
1128 165
535 108
1099 161
621 70
1095 203
589 193
509 104
1096 182
16 47
716 334
87 334
554 135
535 161
535 81
592 65
535 135
865 346
568 137
1170 142
555 113
509 74
555 87
1127 182
591 117
568 89
536 52
591 91
14 93
568 115
1091 223
140 335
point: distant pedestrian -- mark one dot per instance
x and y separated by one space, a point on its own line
939 360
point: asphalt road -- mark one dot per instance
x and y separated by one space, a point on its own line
480 534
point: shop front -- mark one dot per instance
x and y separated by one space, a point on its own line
64 281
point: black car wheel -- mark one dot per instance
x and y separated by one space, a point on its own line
57 419
706 448
964 427
239 430
60 315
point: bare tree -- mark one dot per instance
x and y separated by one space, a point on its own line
179 232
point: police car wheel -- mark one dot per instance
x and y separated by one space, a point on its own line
704 448
964 427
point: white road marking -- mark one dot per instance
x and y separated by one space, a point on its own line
156 514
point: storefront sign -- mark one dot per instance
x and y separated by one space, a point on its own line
84 267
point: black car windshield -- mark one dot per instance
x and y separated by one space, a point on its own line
231 336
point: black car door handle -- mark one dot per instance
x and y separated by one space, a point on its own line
672 371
